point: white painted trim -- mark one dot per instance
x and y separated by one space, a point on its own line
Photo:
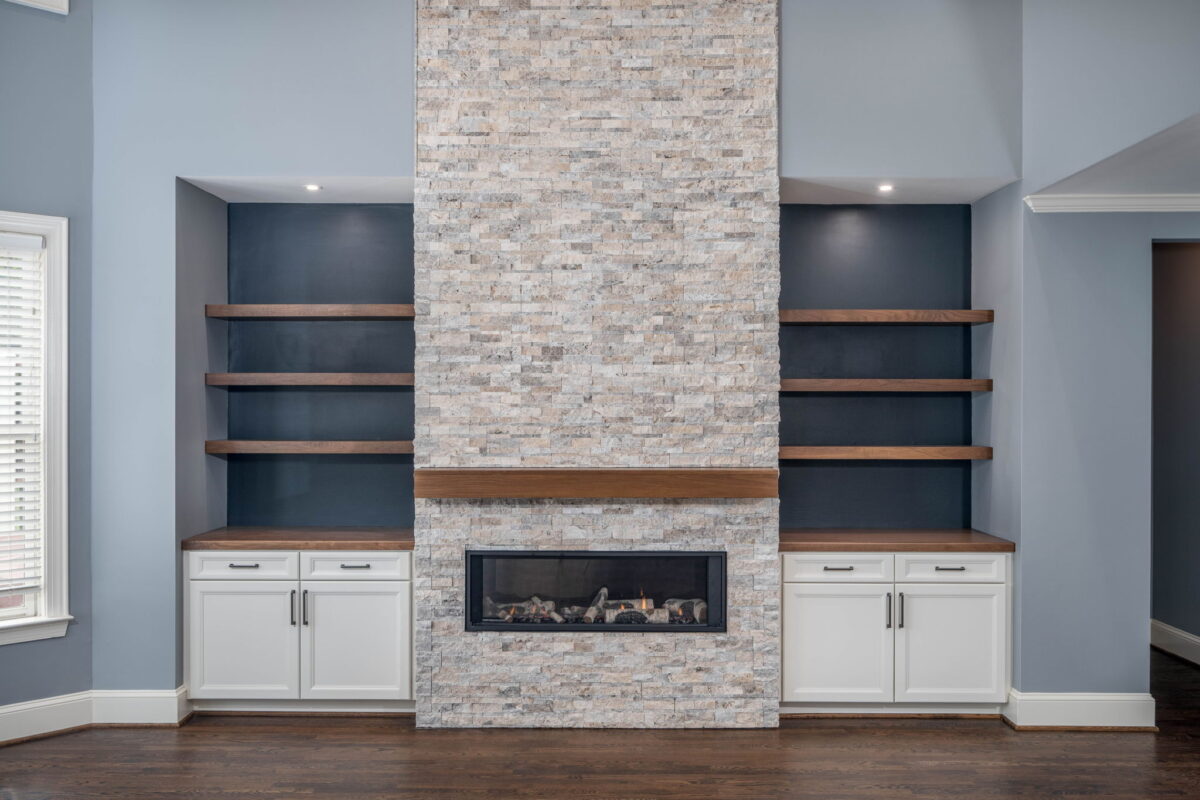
55 592
309 706
37 717
1175 641
1077 203
852 709
30 629
1079 710
97 707
57 6
144 707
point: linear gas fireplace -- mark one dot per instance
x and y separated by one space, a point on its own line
585 590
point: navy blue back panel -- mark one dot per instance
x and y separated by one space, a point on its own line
292 253
875 257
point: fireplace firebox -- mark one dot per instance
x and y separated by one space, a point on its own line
587 590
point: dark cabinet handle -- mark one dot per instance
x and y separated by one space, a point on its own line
901 610
356 566
889 609
242 566
839 569
949 569
304 607
292 606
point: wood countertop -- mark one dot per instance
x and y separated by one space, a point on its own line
791 540
301 538
841 540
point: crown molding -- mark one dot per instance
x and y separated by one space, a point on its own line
1081 203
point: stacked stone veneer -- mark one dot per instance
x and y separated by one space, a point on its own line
597 286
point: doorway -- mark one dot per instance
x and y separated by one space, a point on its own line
1175 625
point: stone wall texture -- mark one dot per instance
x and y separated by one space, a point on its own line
597 286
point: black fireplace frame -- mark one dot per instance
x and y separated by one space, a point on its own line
716 599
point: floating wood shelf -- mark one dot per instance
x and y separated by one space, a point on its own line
309 379
308 311
890 453
886 385
297 447
595 483
302 538
901 540
885 316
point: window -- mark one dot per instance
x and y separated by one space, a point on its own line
33 427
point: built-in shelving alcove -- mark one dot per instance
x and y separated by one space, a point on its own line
877 384
318 379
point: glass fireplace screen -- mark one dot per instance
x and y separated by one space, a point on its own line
538 590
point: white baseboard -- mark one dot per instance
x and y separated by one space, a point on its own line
37 717
1079 710
153 707
1175 641
308 706
97 707
893 709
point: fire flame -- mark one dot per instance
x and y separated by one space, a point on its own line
643 594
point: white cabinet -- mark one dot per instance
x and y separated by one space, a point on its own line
355 640
245 643
838 642
902 628
297 636
951 642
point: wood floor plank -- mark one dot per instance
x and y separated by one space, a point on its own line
321 758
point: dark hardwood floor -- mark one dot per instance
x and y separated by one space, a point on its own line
370 758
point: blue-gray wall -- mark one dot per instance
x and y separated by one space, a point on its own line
1070 351
917 89
213 88
1101 75
201 345
996 238
1177 434
46 168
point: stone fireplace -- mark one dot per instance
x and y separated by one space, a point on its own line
596 223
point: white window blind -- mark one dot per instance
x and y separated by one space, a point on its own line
22 434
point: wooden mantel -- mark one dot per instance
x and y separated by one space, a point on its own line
564 483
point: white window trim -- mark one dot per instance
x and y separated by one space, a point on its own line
55 613
57 6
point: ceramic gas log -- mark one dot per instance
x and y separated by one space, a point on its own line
588 590
635 611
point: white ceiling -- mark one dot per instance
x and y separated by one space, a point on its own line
1166 163
291 189
820 191
834 191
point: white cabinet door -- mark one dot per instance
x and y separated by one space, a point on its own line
837 642
355 641
243 640
951 643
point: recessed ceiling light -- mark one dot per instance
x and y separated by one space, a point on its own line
886 187
312 187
